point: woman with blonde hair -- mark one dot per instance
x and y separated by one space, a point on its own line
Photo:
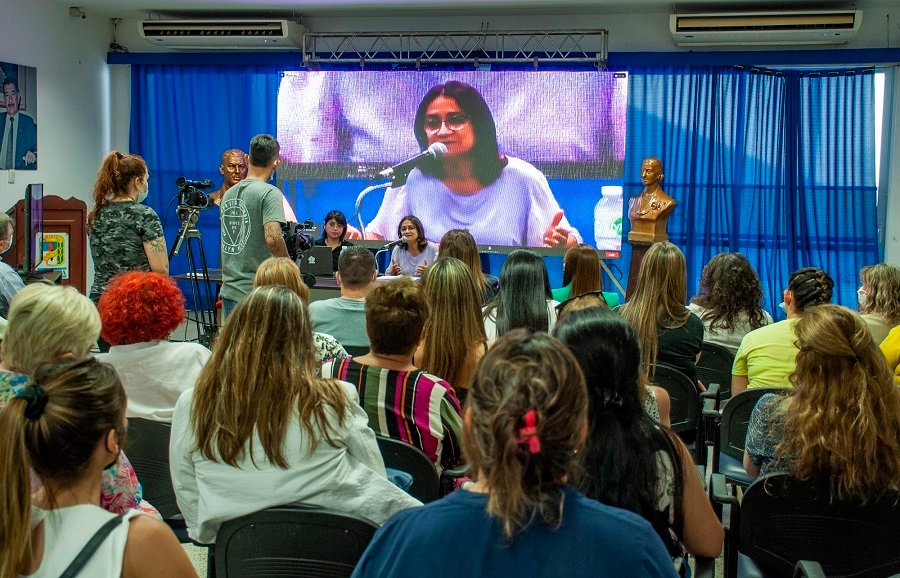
461 244
285 272
260 416
841 421
525 422
454 339
667 330
879 299
581 274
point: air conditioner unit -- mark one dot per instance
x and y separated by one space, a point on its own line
765 28
223 34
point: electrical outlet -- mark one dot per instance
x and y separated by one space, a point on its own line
11 178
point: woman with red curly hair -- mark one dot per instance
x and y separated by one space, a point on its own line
138 311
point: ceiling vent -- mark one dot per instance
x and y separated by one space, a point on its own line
223 34
765 28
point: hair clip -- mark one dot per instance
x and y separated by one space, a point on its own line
528 433
36 398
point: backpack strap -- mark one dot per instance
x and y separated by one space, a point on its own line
84 556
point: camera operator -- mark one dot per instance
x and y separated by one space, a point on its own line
252 217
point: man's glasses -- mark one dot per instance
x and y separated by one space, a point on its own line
455 121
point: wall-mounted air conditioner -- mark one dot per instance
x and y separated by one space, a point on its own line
223 34
765 28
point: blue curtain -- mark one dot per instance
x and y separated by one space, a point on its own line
777 165
183 118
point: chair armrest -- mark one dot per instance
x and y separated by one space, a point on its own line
704 567
450 476
719 491
711 410
712 392
808 569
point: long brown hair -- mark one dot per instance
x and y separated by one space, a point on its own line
455 327
730 291
115 175
525 375
842 418
658 301
883 283
581 268
52 428
461 244
261 371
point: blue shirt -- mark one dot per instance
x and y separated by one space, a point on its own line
455 537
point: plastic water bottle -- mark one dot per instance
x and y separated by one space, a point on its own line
608 219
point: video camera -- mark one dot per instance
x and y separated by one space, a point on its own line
190 195
299 236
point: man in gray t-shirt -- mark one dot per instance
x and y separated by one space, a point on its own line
252 215
344 317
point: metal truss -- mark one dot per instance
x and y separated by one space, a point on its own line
482 47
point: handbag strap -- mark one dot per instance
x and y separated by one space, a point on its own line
87 552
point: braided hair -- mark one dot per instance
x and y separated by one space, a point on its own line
811 286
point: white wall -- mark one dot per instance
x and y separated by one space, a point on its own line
73 97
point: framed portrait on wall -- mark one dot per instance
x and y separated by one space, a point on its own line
18 147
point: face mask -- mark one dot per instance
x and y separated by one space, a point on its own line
142 196
862 297
783 307
8 245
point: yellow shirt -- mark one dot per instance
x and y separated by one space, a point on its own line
891 349
768 355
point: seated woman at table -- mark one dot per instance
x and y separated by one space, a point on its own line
334 233
413 256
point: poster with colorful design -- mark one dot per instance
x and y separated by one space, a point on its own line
55 253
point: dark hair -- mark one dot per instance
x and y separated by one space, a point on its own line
525 377
341 220
487 162
523 295
619 465
396 313
11 80
811 286
52 429
581 268
356 266
421 242
264 150
729 288
116 173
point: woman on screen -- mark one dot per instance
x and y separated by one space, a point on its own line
502 200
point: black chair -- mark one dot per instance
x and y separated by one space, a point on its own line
808 569
781 521
407 458
715 367
148 451
684 412
729 432
293 540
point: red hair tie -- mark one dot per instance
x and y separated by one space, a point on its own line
528 433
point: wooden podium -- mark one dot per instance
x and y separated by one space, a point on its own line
59 216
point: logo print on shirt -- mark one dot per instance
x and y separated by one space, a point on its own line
235 226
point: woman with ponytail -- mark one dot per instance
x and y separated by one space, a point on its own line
840 424
525 421
66 427
124 233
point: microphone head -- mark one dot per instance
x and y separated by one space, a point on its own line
402 241
437 150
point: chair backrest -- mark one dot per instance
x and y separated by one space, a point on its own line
715 367
148 452
292 540
356 350
684 395
784 520
736 419
402 456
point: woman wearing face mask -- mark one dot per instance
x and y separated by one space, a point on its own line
124 233
879 299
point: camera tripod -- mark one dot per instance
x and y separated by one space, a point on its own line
202 293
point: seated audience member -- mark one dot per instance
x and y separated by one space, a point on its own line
667 330
139 310
524 299
414 255
10 281
729 301
285 272
525 422
401 401
461 244
66 427
454 340
841 421
261 429
581 274
890 347
344 317
879 299
766 355
31 340
583 301
629 460
334 231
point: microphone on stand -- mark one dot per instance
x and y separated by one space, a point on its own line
392 244
435 151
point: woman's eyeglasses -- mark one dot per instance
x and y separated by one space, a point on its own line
455 122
